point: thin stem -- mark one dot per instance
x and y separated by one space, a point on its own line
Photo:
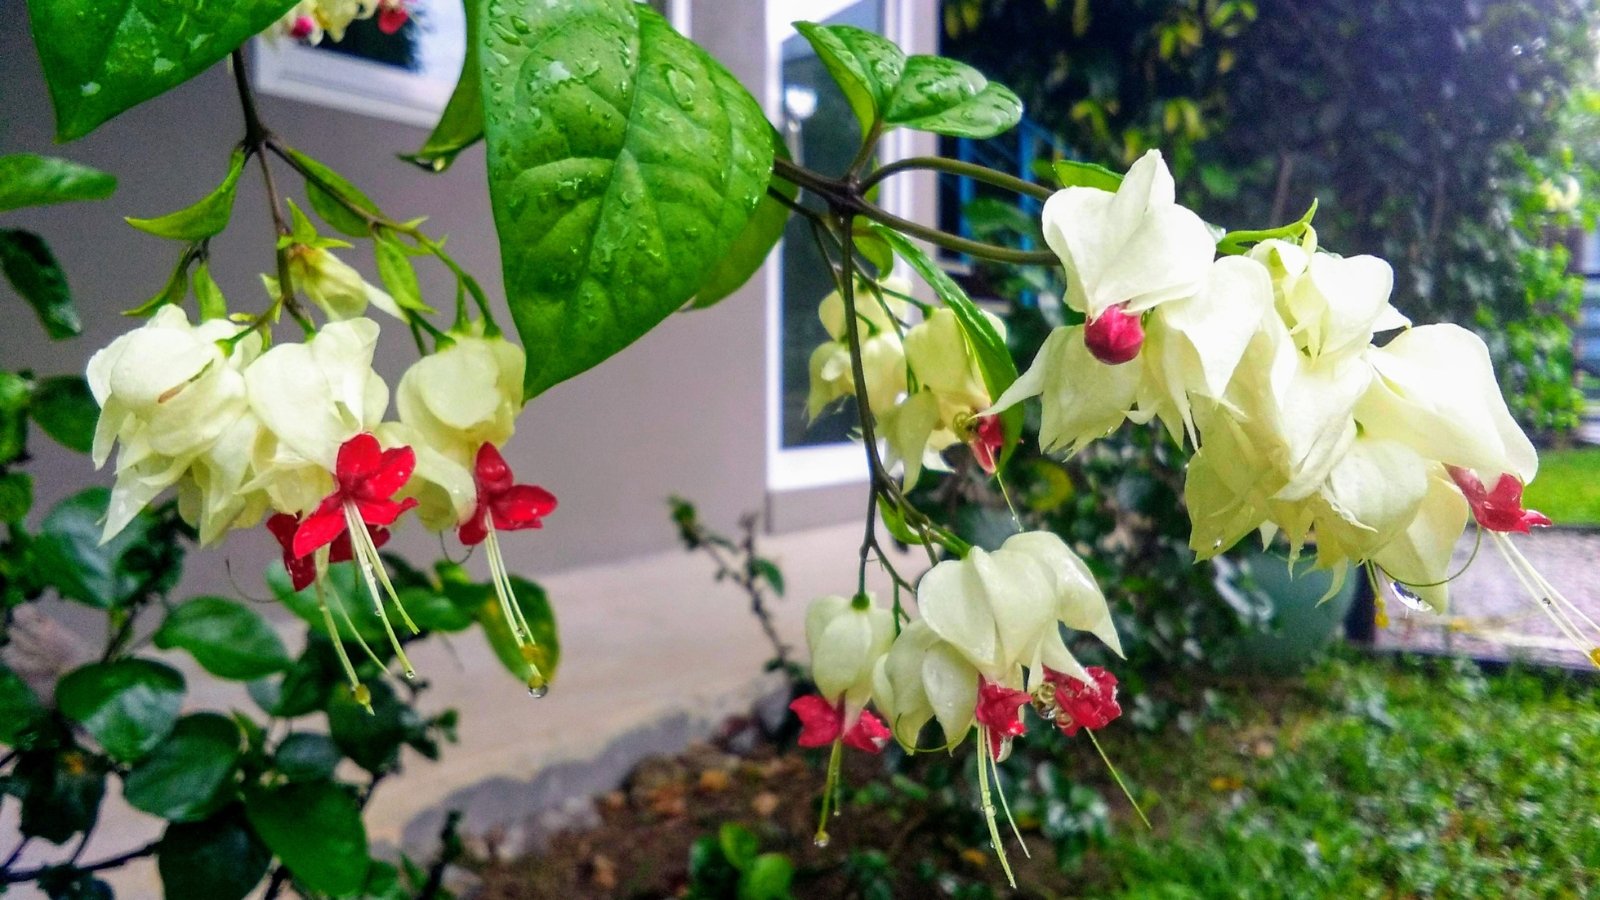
871 539
945 239
869 144
113 862
957 167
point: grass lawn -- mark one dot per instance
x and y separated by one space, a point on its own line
1567 488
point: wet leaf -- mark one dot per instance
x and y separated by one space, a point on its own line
461 124
315 828
129 706
66 410
226 638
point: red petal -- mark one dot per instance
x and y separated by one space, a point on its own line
383 512
869 734
820 721
393 19
341 549
318 530
302 570
1115 337
358 459
492 472
521 507
282 526
394 470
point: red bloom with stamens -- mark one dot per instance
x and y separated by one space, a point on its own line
1082 704
1114 337
1500 509
987 440
1000 711
303 569
822 723
366 477
393 17
503 505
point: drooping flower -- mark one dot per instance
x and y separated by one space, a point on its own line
822 723
999 715
366 478
1114 337
303 569
502 504
949 398
1500 509
1076 703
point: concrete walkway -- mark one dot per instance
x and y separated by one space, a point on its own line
654 654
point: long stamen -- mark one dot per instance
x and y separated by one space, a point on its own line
988 806
1005 806
1554 604
357 689
532 654
829 785
365 559
344 616
1117 776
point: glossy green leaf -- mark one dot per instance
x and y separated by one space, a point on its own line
315 828
307 685
623 164
65 409
129 706
739 845
30 180
926 93
895 523
78 565
61 790
1072 173
432 611
332 195
305 756
16 496
102 57
768 878
1237 242
373 740
206 218
989 348
18 706
16 393
399 275
461 124
184 777
753 245
227 638
218 859
35 275
535 608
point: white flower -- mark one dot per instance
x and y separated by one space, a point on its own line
846 642
1331 305
922 677
167 393
882 355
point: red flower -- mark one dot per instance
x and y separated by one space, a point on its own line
303 569
822 723
1084 705
366 477
1114 337
1000 711
502 505
393 17
302 28
1500 509
987 439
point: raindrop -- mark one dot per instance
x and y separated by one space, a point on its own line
161 65
682 87
411 674
821 840
538 687
90 88
1410 597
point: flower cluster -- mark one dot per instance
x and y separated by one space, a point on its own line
1268 363
299 431
310 20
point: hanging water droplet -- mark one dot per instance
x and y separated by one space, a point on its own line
539 690
821 840
1410 598
410 674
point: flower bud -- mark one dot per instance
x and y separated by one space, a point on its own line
332 284
1114 337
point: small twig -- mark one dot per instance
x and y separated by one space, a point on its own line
110 863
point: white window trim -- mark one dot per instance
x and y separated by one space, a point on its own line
825 465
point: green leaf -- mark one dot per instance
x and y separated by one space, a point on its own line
16 496
226 638
78 565
61 792
315 829
927 93
66 410
461 124
432 611
994 359
896 525
1072 173
343 589
331 195
373 740
303 689
739 845
206 218
1237 242
130 705
754 244
30 180
184 777
768 878
18 706
15 394
398 275
768 570
176 288
218 859
102 57
623 164
208 294
305 756
535 608
36 277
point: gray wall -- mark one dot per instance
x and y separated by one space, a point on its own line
680 411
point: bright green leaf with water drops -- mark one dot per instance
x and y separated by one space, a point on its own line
206 218
101 57
27 179
754 244
461 124
623 164
926 93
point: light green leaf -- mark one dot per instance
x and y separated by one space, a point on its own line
130 705
398 275
174 291
206 218
753 245
535 608
926 93
623 164
768 878
16 498
184 777
16 393
994 359
332 195
218 859
30 180
18 706
226 638
461 124
1072 173
315 828
65 409
739 845
102 57
35 275
208 294
1237 242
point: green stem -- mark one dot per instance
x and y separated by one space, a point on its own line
957 167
